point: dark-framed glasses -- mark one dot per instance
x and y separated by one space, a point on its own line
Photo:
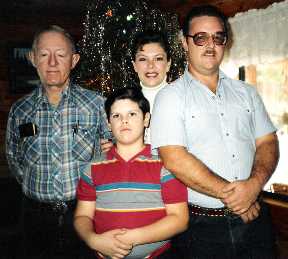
202 38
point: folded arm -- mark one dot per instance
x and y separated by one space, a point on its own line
240 195
175 222
191 171
105 243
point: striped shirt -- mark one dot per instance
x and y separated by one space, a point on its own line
130 194
219 129
48 164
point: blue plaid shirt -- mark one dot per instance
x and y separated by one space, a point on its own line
49 163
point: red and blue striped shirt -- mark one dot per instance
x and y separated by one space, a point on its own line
130 194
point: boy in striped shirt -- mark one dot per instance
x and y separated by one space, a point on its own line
139 205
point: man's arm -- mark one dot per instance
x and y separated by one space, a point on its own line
194 174
191 171
103 127
241 194
104 131
12 148
171 142
266 159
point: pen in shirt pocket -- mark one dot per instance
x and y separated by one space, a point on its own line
75 128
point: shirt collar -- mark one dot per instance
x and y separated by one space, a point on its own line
40 96
189 78
113 154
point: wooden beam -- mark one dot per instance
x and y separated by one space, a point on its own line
229 7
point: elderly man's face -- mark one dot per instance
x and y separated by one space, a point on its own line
53 59
204 60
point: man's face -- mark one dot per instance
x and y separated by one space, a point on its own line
53 59
204 60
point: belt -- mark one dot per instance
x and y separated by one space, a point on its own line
209 212
56 206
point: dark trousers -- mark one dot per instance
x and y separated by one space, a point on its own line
226 238
48 232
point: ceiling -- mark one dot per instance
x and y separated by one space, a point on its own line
229 7
77 7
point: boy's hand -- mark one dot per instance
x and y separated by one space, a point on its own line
107 244
129 237
106 145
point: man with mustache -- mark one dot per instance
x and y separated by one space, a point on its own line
215 135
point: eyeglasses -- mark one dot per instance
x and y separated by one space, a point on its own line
202 38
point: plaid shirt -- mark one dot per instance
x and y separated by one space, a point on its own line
48 164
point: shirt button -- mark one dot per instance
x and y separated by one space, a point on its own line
233 155
227 134
222 114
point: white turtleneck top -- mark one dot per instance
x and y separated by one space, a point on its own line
150 93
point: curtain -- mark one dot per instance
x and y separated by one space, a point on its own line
259 36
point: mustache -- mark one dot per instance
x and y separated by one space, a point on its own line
209 52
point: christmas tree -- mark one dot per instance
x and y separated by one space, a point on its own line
109 29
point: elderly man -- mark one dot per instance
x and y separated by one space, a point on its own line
51 134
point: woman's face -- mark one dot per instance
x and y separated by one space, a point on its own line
151 64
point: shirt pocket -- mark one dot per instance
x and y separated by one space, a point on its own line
84 139
243 122
201 126
30 150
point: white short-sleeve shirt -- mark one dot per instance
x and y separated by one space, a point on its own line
219 129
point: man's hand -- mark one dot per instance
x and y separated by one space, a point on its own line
106 145
252 213
240 195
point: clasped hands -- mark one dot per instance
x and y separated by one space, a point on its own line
116 243
241 198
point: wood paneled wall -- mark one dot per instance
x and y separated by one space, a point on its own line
279 214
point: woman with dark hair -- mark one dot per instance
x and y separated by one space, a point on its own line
151 61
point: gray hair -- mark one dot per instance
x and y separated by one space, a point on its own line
53 28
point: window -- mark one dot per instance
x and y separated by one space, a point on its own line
271 81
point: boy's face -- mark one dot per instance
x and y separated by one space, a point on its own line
127 122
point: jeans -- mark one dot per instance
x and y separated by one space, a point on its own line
226 237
